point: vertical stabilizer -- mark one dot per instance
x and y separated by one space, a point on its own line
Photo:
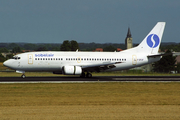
152 41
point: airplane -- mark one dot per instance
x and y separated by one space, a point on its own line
84 63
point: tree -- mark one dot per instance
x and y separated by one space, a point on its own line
74 45
30 46
109 48
2 59
12 45
9 56
16 49
66 46
178 67
42 48
165 64
69 45
4 50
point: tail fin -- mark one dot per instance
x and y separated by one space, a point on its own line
151 42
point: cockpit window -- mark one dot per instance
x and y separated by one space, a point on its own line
16 57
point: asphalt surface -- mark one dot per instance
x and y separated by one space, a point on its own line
93 79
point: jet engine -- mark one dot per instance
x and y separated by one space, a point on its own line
72 70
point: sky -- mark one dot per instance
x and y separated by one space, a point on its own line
86 21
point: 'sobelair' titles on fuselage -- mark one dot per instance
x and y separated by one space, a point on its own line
44 55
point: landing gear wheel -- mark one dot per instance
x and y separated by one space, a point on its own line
88 75
23 76
83 74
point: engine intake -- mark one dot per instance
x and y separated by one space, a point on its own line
72 70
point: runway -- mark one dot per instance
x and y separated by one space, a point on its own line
93 79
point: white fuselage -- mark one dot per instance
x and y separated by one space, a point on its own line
54 61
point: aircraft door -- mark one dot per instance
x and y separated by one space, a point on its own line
30 59
134 60
79 60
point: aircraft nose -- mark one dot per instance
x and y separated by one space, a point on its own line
6 63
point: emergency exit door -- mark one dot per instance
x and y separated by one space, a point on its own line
134 60
30 59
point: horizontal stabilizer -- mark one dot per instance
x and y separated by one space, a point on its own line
163 54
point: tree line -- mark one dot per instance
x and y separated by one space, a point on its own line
18 47
65 46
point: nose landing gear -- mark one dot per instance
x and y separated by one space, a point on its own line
23 76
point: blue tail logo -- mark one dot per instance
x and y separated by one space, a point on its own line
153 40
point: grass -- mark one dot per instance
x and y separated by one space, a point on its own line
2 67
87 101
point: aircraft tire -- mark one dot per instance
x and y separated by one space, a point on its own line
23 76
89 75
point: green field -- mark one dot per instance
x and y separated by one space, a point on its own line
87 101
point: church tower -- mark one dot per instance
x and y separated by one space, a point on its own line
128 40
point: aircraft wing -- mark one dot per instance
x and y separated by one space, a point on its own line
100 67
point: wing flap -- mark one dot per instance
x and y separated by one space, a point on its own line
100 67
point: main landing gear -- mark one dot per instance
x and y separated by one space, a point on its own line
88 75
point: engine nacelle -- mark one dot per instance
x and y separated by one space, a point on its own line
72 70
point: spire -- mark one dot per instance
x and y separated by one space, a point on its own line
128 40
129 33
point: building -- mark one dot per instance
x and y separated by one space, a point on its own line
99 50
128 40
119 50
